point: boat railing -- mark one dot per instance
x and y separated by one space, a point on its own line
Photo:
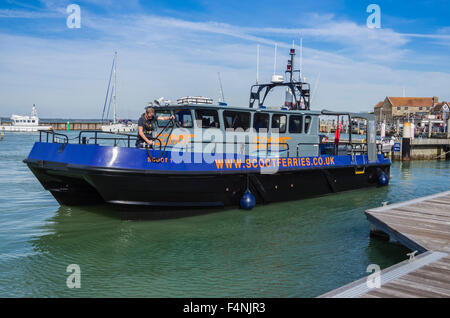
361 149
343 148
55 137
95 136
99 135
84 138
346 148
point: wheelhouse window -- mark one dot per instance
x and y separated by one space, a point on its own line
295 124
279 122
261 122
162 113
236 120
207 118
307 124
184 118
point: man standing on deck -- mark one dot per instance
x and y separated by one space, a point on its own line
146 126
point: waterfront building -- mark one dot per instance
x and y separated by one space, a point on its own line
441 110
401 108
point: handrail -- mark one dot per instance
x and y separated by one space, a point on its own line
81 139
354 148
96 138
54 135
129 137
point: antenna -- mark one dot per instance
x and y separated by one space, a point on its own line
404 92
275 59
257 63
291 64
301 58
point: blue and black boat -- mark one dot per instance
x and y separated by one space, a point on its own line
211 157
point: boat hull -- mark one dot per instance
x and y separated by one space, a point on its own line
136 183
140 194
16 128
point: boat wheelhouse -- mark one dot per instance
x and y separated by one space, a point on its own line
212 157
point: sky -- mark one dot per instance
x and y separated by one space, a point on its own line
172 49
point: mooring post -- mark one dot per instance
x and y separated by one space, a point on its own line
406 142
448 128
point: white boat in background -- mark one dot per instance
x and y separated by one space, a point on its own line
120 127
115 126
25 123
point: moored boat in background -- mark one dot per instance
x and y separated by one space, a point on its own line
115 126
25 123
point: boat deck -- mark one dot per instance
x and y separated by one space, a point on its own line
422 225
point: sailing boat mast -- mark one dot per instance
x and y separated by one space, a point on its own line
221 97
115 88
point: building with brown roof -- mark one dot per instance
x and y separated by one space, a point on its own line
441 110
393 108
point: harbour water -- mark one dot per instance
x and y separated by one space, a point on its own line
292 249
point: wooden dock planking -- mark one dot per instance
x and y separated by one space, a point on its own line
424 221
421 224
424 282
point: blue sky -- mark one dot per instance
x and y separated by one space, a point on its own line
176 48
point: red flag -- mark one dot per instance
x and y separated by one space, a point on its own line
337 134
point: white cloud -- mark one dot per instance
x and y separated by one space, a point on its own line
169 57
26 14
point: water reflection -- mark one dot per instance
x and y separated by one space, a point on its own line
291 249
406 171
301 248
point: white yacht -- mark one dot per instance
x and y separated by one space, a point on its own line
115 126
120 127
25 123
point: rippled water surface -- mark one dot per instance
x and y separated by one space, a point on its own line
293 249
